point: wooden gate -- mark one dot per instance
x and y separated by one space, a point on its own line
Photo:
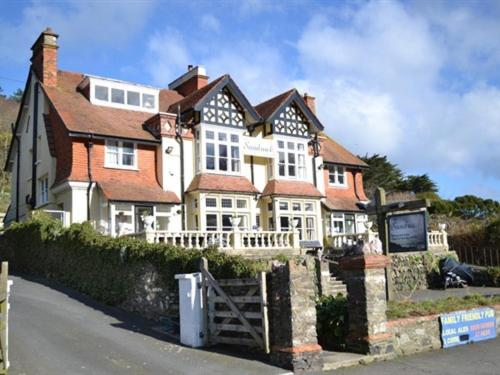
235 310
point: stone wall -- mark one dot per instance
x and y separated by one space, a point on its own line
414 335
292 316
416 270
152 298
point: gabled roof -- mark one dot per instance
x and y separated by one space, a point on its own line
199 98
81 116
270 109
220 182
291 189
332 152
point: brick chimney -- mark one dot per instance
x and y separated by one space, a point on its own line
44 59
194 79
310 102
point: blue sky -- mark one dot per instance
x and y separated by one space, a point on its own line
417 81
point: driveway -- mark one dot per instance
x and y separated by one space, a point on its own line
54 330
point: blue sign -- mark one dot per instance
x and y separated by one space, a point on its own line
465 327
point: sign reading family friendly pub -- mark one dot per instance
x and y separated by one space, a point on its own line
407 232
464 327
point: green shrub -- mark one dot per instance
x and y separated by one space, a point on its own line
332 321
103 267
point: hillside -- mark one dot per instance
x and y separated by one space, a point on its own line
8 114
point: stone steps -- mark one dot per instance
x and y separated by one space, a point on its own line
336 286
338 360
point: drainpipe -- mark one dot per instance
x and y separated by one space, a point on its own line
18 167
89 146
316 149
34 160
178 138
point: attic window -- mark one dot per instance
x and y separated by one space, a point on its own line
102 93
148 101
118 96
133 98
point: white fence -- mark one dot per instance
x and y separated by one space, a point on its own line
436 240
225 240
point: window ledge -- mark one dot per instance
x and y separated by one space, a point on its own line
338 186
121 167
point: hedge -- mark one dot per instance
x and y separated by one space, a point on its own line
103 267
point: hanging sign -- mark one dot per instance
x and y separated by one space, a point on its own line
258 147
407 232
465 327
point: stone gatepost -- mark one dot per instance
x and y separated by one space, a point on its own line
292 314
366 300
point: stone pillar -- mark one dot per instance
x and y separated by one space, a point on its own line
294 343
366 299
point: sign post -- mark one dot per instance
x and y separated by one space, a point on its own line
382 210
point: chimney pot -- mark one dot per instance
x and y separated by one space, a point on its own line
190 67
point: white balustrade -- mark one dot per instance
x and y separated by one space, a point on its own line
437 240
226 240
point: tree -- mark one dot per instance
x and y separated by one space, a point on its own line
17 95
470 206
418 184
2 95
381 173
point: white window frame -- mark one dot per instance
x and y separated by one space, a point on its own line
334 171
43 197
309 233
300 157
120 165
229 144
233 211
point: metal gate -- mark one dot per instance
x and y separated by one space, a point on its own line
235 310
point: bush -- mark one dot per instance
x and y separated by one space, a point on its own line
332 322
103 267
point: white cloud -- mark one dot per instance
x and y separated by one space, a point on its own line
210 22
390 91
80 24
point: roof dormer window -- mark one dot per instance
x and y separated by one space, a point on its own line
118 94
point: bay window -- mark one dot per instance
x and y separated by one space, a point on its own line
120 154
291 159
222 151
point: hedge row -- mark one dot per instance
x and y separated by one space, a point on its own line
102 267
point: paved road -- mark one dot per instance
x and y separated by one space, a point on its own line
478 359
55 331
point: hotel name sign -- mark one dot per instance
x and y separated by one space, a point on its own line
264 148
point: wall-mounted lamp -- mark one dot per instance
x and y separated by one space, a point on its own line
169 149
321 166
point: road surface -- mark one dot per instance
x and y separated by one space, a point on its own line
54 330
477 359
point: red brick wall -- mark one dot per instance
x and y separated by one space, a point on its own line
347 192
191 85
44 63
146 172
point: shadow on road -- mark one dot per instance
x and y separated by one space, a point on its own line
135 323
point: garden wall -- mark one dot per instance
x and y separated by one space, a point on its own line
416 270
414 335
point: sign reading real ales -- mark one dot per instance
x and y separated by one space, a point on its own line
258 147
464 327
407 232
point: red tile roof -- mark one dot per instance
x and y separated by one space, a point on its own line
79 115
268 107
291 188
190 101
130 191
342 203
219 182
332 152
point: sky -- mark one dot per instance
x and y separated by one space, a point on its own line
418 81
